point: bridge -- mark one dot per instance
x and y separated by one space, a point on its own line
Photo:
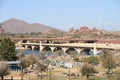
52 40
95 47
63 40
66 44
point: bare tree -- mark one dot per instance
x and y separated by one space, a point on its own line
4 69
24 62
107 60
42 64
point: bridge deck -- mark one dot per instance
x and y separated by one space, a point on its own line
78 45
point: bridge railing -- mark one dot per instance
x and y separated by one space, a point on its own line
90 45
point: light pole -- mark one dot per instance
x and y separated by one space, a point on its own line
93 61
92 53
69 74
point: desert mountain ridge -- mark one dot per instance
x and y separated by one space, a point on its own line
19 26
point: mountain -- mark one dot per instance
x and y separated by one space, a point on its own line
19 26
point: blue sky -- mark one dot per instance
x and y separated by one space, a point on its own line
63 14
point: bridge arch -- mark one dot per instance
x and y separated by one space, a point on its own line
36 48
46 48
101 51
58 50
71 51
86 51
29 47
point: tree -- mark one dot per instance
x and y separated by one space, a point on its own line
42 64
24 62
4 69
7 50
33 58
20 53
117 59
87 70
107 60
28 60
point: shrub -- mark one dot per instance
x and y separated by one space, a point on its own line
93 60
107 60
76 60
88 70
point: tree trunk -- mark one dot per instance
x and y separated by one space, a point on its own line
22 74
87 77
11 77
41 75
2 77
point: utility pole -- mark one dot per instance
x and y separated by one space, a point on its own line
69 73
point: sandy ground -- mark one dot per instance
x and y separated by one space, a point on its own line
55 72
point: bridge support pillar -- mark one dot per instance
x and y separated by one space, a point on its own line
64 49
78 50
41 47
95 49
20 43
33 47
52 48
26 46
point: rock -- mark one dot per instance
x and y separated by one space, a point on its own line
85 29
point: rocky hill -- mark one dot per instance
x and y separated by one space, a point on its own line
85 30
19 26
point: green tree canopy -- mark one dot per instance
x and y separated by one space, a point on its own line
7 50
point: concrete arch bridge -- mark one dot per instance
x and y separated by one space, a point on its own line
78 47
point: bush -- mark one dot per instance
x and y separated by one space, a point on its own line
76 60
93 60
88 70
108 60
